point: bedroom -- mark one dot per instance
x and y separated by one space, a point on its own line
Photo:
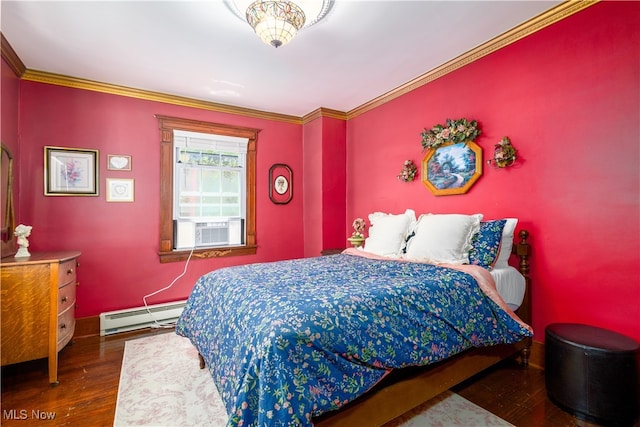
568 97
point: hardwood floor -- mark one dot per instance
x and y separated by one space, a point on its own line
89 372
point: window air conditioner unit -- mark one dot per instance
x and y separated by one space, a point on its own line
195 234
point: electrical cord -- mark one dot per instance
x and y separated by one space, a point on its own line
157 324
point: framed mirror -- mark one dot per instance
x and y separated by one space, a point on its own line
7 241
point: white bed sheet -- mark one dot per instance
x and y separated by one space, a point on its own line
511 285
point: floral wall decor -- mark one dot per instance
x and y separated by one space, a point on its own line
453 162
455 131
504 154
408 171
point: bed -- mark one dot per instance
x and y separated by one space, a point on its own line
361 337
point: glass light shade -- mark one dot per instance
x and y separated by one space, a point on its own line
275 22
287 16
276 32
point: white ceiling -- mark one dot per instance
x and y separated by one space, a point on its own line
201 50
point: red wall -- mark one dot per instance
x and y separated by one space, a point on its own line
324 185
120 241
334 182
568 97
312 186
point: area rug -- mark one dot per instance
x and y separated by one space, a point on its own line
161 385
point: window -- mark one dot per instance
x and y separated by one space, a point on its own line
209 183
207 189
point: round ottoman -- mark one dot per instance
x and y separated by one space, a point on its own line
593 373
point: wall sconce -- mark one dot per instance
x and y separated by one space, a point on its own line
504 154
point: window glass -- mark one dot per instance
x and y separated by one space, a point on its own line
210 190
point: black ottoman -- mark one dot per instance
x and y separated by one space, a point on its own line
593 373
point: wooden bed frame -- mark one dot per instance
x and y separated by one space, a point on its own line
404 389
398 394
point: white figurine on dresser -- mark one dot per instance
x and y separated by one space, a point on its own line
22 232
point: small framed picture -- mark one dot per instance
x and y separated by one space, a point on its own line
117 162
70 171
280 184
119 190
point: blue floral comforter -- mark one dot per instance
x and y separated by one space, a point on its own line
289 340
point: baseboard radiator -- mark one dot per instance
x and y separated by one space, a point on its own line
131 319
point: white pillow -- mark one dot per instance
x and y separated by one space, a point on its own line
388 233
443 238
507 243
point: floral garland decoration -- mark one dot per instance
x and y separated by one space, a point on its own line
408 172
504 154
456 131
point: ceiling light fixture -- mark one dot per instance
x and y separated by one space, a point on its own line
276 22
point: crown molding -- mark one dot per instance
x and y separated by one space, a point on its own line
324 112
531 26
11 58
77 83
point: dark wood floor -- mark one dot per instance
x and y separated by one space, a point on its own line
89 371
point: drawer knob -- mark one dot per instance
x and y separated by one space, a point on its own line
70 271
63 326
64 299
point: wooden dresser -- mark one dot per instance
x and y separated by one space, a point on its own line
38 303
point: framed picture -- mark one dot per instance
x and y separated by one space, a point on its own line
452 168
280 184
70 171
116 162
119 190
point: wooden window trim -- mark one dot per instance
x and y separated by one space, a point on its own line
167 126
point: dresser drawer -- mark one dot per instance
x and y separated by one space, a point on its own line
67 272
66 326
66 297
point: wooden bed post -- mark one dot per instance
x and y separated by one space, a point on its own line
522 250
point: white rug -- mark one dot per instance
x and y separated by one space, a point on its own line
162 385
